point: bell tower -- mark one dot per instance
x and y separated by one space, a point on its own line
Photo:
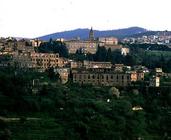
91 34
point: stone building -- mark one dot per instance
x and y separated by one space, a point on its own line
23 43
91 35
101 77
8 45
89 64
40 61
124 51
108 40
140 76
137 76
63 74
154 81
22 60
76 64
119 67
36 42
46 60
133 76
91 45
159 72
84 46
94 64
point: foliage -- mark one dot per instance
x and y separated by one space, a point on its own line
82 111
54 47
149 55
114 92
52 75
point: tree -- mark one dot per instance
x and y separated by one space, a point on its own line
54 76
54 47
117 58
114 92
130 60
109 55
101 54
51 73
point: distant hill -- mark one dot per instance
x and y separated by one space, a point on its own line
83 33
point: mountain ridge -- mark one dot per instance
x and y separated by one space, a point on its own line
84 32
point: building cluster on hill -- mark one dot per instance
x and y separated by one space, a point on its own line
91 45
105 74
22 54
161 38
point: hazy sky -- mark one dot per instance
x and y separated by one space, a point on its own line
33 18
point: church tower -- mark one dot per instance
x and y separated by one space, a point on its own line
91 35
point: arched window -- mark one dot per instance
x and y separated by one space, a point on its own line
93 77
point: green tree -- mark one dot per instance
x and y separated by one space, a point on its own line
114 92
109 55
54 47
101 54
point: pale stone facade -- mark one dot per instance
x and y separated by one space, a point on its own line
91 45
63 74
119 67
137 76
93 64
84 46
46 60
36 42
22 60
101 77
124 51
155 81
76 64
108 40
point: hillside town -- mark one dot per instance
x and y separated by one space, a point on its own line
63 89
23 54
85 70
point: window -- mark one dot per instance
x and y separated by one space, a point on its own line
80 76
107 77
122 78
128 77
93 77
117 77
